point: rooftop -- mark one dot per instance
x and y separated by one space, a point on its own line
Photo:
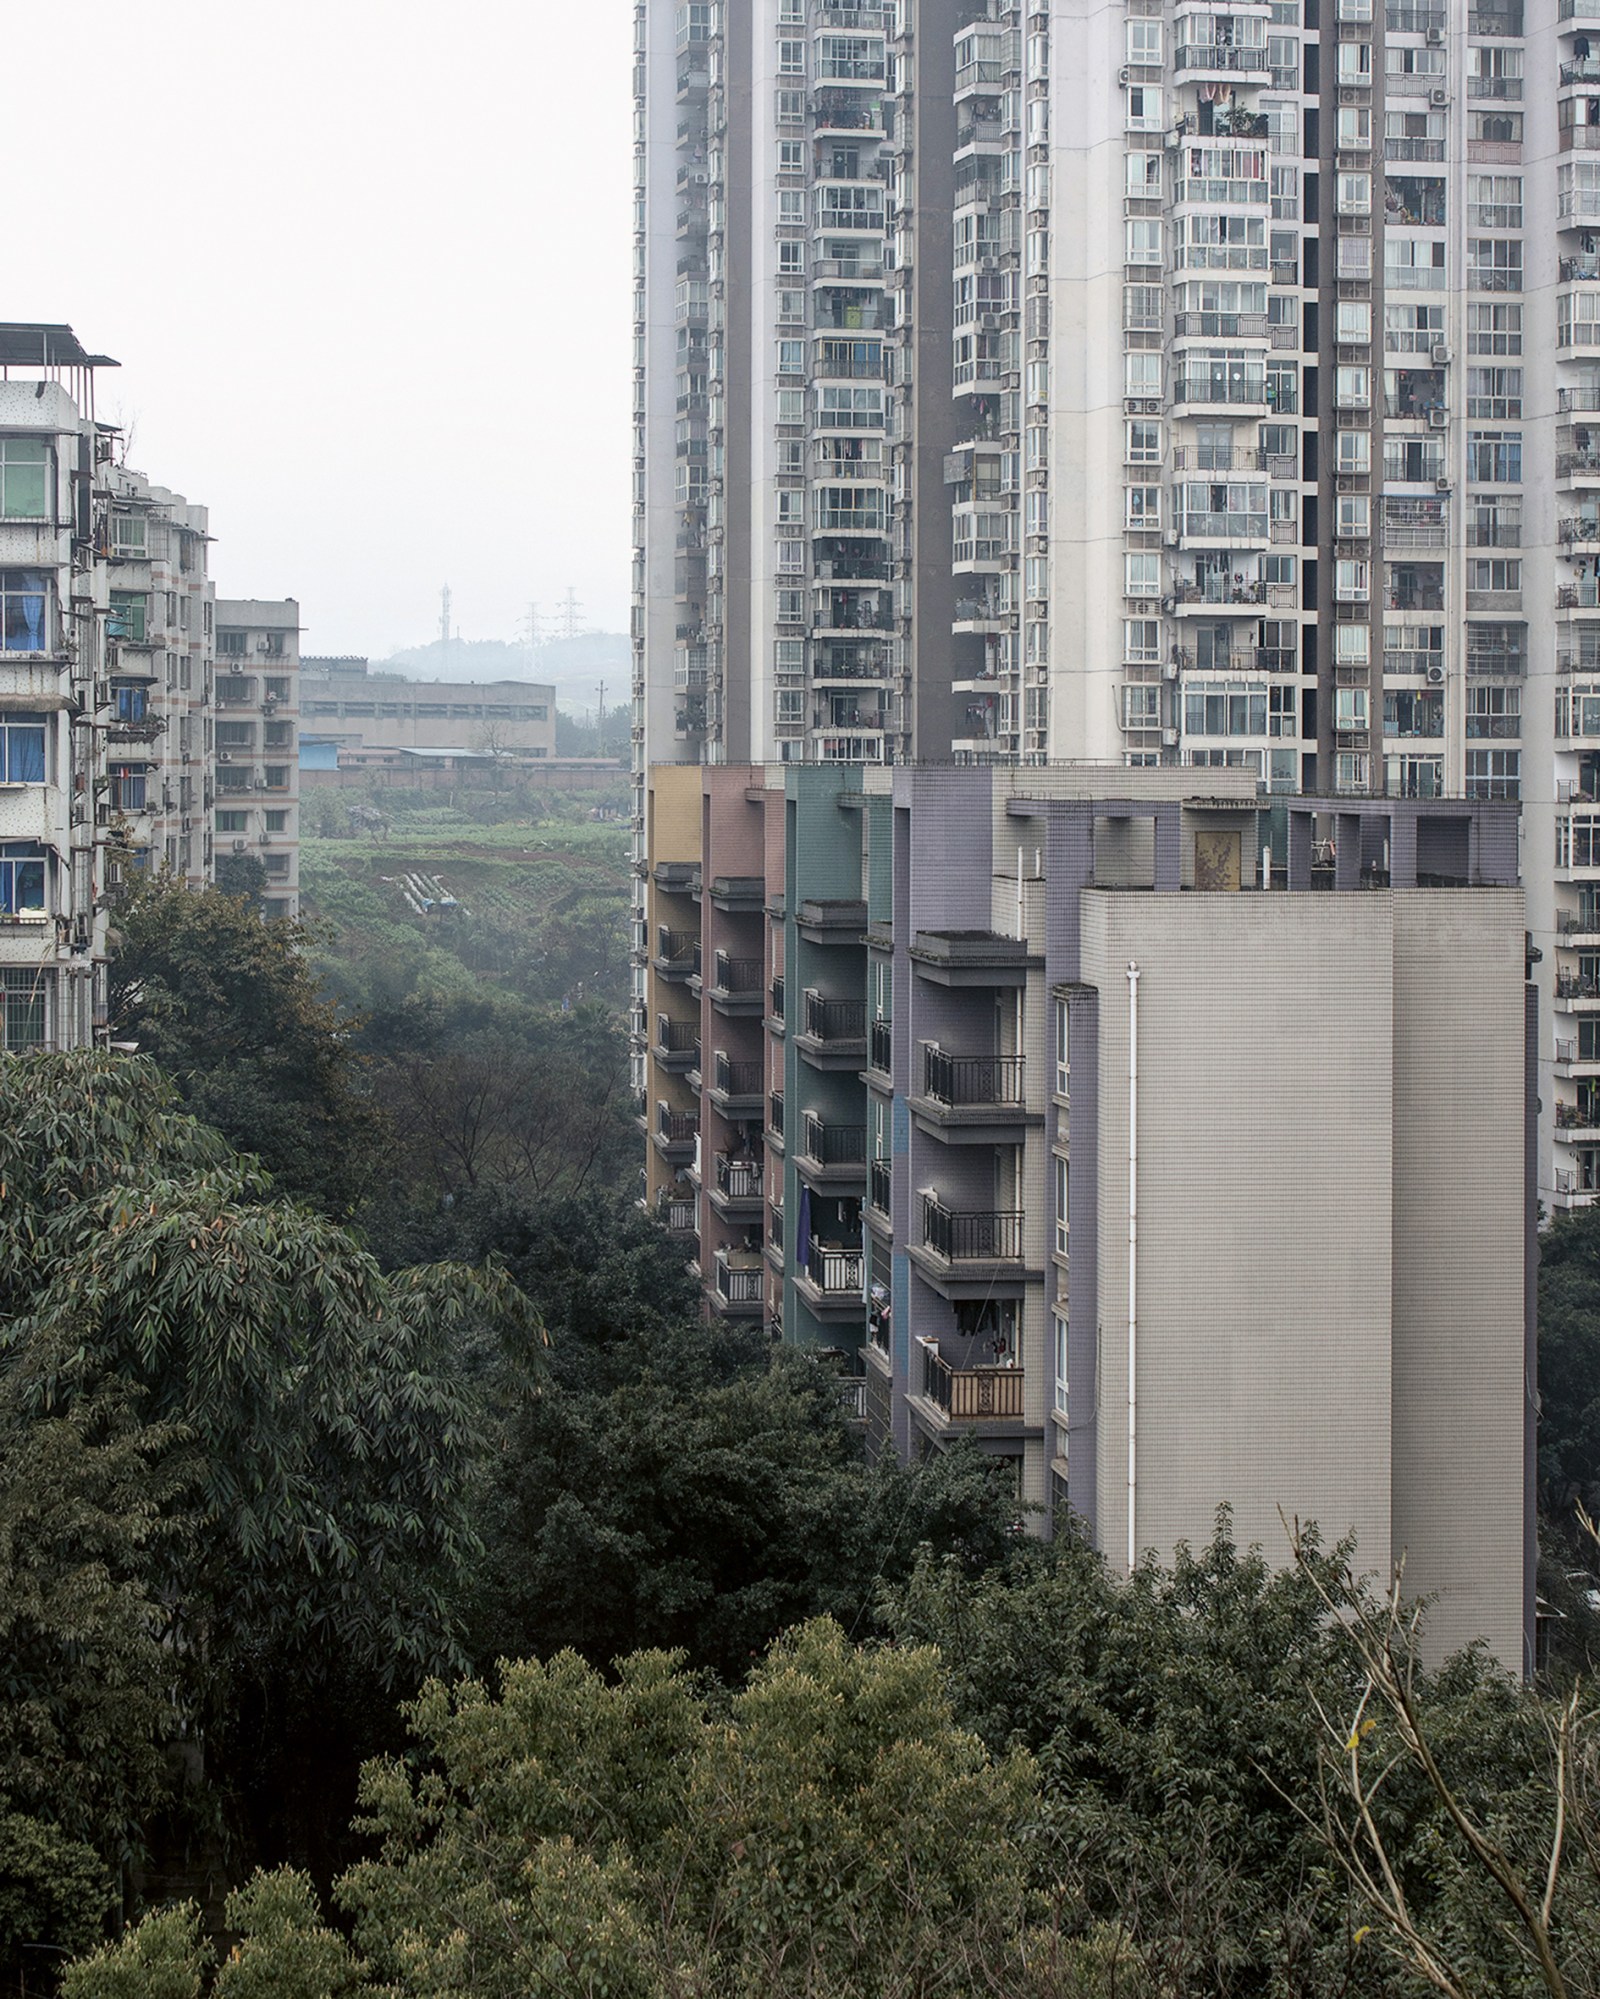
25 344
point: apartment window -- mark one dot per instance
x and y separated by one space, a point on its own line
791 58
1355 128
1143 176
1141 641
1143 575
1063 1230
277 777
25 1009
1494 201
1494 573
791 207
1354 322
1494 457
1354 516
791 357
1355 194
22 878
233 822
24 478
1144 108
1496 710
1351 644
1142 508
130 613
791 260
22 749
1494 263
1141 707
1058 1321
1494 329
1351 582
1352 388
1144 442
1355 451
1577 319
1144 41
1279 569
1494 773
1143 240
1225 711
1495 393
789 707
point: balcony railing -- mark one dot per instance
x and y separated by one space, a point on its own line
839 1272
983 1235
776 995
676 1214
676 1037
882 1049
739 1286
1221 55
740 978
679 949
1573 1117
971 1079
677 1127
736 1079
835 1020
971 1394
738 1179
879 1182
833 1144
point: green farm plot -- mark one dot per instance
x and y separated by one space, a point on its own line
539 910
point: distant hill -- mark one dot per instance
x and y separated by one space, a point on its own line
575 666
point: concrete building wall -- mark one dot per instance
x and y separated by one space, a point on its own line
1265 1185
1459 1388
256 736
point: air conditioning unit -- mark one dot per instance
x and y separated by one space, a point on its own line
1172 537
1169 738
224 757
1441 355
1124 75
239 846
1438 99
1436 676
1438 419
1169 670
1436 38
1169 605
1442 483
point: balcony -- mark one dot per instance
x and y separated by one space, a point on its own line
677 1044
737 987
735 1190
1571 1061
675 1133
775 1120
737 1088
880 1186
677 953
1576 995
678 877
739 895
834 1032
881 1047
1578 1124
1198 62
970 1394
777 1022
840 921
831 1280
740 1283
831 1155
972 1235
675 1213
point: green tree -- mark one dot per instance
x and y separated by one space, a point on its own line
830 1831
1569 1363
231 1010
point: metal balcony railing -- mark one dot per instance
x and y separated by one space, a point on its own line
882 1045
839 1272
835 1020
736 1079
677 1127
678 948
740 978
833 1144
971 1394
676 1214
981 1235
971 1079
879 1183
776 1113
738 1179
676 1037
739 1287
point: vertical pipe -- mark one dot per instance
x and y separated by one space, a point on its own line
1021 932
1133 1265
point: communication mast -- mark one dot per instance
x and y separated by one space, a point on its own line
444 616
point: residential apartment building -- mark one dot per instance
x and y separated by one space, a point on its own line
256 744
1142 381
992 1085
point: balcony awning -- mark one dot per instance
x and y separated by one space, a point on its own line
24 345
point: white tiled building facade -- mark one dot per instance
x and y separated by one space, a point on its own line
1143 381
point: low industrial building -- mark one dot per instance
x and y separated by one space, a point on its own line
359 711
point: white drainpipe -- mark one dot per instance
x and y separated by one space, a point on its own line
1133 1265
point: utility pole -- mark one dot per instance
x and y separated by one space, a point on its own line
600 724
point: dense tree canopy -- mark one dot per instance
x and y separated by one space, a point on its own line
231 1011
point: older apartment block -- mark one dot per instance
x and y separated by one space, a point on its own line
256 745
1175 1146
112 735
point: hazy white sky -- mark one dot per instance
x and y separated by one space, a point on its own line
365 264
